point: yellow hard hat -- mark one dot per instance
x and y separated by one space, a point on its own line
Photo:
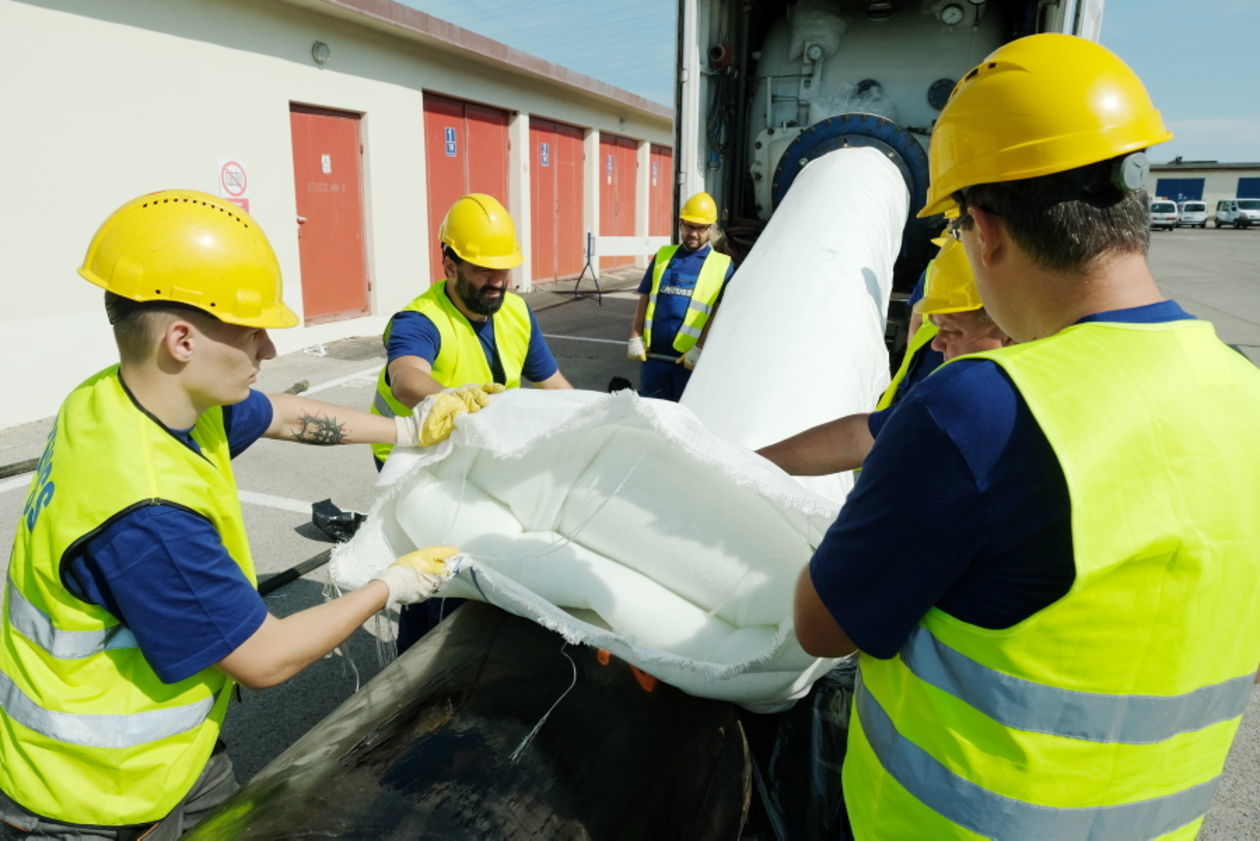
700 209
1039 105
479 230
950 285
191 248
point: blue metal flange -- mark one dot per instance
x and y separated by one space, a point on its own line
846 130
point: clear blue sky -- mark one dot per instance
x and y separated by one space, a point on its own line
1198 57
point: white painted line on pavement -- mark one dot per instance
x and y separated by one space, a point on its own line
282 503
366 372
21 480
586 339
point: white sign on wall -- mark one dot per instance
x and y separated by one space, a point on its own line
234 183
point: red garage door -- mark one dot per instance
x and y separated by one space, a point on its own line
467 151
617 167
557 240
661 192
326 176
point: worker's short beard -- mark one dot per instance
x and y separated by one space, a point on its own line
475 299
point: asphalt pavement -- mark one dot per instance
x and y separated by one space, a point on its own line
1211 272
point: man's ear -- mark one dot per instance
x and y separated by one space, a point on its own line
179 339
448 266
990 233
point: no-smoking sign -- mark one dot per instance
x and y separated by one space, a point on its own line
234 183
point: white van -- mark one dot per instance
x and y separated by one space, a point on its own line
1163 214
1192 214
1241 213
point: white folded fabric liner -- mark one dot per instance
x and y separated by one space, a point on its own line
619 522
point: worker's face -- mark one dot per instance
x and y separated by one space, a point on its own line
965 332
226 360
481 290
694 236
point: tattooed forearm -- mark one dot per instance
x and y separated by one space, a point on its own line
316 429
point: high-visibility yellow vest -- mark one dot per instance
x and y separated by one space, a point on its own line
88 732
922 338
703 297
461 359
1108 714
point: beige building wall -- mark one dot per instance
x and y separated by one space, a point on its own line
1219 182
105 101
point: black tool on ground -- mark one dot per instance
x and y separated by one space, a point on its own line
339 525
619 384
293 573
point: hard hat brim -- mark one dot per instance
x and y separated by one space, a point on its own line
509 261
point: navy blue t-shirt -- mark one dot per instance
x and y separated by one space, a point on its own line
926 360
413 334
678 282
165 573
992 541
920 287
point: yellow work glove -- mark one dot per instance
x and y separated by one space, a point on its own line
689 359
635 349
477 397
417 575
434 419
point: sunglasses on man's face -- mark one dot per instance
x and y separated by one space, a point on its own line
955 227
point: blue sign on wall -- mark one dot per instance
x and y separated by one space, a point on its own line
450 142
1249 188
544 154
1179 189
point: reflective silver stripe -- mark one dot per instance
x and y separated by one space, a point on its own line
690 331
101 731
700 307
647 324
35 625
382 405
1093 716
1004 818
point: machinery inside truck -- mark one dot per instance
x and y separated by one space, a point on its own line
767 86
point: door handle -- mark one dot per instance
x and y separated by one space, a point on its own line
301 220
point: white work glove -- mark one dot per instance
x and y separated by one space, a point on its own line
635 349
417 575
690 359
434 419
